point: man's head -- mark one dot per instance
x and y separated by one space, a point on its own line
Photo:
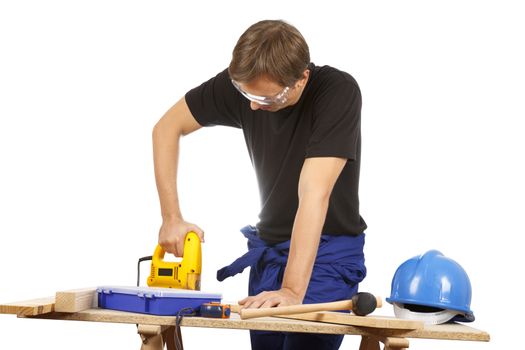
269 65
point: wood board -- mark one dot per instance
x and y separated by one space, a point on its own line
65 301
75 300
353 320
29 307
451 331
44 307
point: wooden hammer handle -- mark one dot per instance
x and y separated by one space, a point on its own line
299 309
295 309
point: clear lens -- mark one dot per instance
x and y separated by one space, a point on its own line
278 99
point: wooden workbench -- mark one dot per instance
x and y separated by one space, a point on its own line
157 330
451 331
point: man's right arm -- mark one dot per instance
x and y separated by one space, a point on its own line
177 122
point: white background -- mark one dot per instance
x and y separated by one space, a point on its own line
83 83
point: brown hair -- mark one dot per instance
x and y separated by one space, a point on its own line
273 48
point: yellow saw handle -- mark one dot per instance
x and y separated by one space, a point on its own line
184 274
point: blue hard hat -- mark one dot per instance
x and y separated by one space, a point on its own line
432 280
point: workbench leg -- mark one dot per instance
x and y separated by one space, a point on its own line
169 338
391 343
155 337
368 343
151 341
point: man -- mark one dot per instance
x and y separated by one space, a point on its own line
301 124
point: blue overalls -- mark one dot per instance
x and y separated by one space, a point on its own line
337 271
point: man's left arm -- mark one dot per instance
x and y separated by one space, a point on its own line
317 179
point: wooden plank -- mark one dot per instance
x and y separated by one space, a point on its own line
66 301
234 322
452 331
75 300
353 320
29 307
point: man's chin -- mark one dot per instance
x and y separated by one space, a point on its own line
270 108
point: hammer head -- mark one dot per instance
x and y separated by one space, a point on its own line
363 303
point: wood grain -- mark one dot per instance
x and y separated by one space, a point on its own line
451 331
376 327
353 320
75 300
29 307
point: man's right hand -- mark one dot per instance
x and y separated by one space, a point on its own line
172 234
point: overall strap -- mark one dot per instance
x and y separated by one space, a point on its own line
257 250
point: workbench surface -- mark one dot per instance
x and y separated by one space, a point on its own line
452 331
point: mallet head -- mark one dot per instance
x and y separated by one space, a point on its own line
363 303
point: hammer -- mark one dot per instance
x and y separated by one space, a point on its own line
361 304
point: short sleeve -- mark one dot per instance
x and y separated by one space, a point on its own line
215 102
336 120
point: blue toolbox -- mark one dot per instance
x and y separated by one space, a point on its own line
151 300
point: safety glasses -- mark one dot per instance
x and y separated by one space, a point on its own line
278 99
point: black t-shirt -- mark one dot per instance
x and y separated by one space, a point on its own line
325 122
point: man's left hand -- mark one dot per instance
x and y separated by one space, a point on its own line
281 297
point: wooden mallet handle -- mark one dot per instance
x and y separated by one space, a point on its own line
299 309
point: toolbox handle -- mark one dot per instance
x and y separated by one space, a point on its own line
146 295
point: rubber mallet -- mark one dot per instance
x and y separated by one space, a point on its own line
361 304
